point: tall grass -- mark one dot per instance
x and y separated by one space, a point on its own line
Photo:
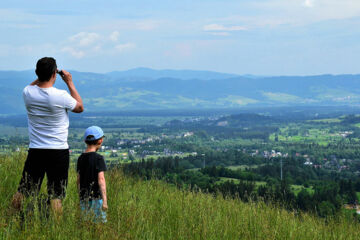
155 210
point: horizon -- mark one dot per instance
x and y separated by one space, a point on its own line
194 70
266 38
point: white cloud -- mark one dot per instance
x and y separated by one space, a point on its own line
114 36
85 39
314 11
73 52
86 44
125 46
82 44
273 13
219 27
220 33
19 19
97 48
309 3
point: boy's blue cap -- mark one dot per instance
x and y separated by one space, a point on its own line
93 133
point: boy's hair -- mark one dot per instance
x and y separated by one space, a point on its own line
45 68
91 142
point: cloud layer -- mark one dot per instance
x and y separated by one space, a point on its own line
90 43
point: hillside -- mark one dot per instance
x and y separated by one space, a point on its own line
155 210
144 89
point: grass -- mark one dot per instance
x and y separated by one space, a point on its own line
326 120
155 210
358 195
297 188
243 167
226 179
237 181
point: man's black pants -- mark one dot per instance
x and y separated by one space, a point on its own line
53 162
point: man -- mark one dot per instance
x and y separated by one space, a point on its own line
48 122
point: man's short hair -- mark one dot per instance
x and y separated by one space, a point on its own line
45 68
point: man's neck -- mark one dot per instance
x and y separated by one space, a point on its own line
45 84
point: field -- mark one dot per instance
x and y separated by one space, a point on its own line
243 167
302 133
235 180
297 188
155 210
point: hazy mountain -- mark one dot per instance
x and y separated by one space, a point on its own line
146 74
105 92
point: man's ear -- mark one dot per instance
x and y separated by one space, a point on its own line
101 140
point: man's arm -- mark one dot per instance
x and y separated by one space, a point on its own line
73 92
102 186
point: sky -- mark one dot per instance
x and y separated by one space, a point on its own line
259 37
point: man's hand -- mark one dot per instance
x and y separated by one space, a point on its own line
104 206
66 77
35 82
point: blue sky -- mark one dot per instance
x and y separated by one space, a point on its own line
261 37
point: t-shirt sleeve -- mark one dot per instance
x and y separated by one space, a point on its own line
24 94
100 164
69 101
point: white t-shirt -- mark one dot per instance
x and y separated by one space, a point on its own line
48 118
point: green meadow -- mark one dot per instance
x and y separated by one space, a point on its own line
309 133
155 210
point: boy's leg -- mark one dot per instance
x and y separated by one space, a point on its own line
100 214
85 206
92 211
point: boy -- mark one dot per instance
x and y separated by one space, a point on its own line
90 178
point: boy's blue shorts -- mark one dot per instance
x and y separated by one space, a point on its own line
93 210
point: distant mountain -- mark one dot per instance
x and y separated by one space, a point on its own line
145 74
106 92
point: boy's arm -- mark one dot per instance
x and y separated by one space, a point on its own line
102 186
78 182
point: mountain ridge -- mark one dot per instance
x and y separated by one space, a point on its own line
108 93
185 74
